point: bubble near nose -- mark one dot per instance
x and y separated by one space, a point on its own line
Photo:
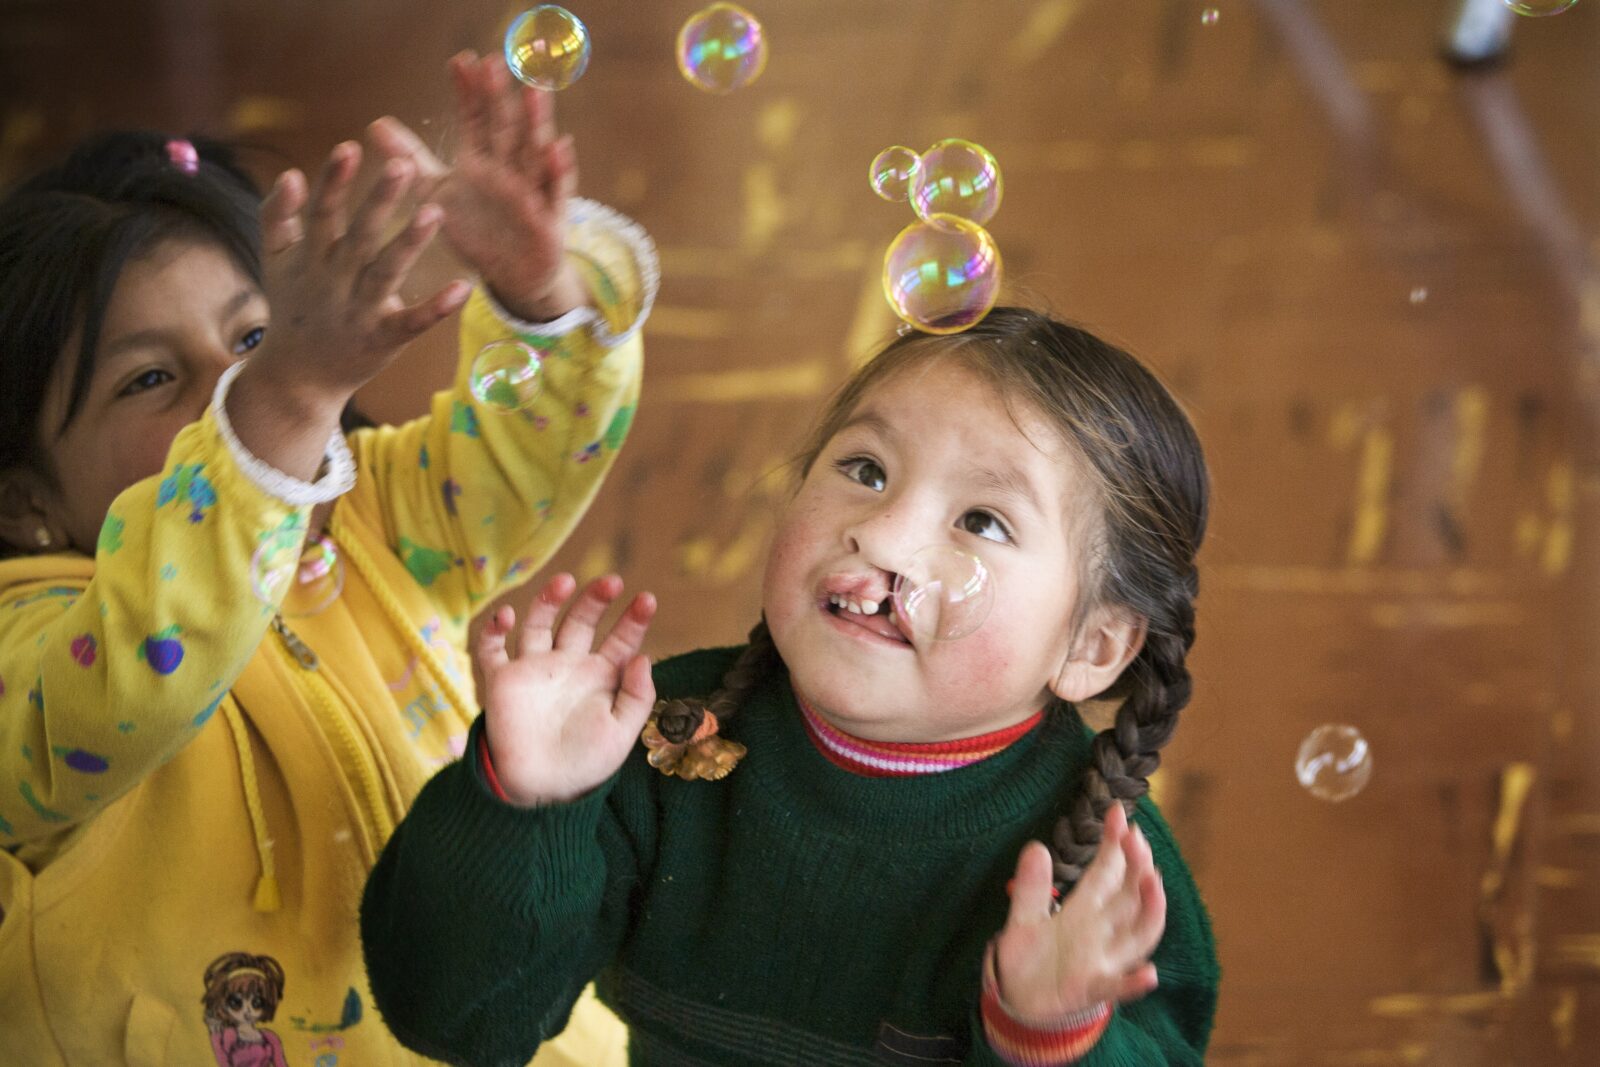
943 594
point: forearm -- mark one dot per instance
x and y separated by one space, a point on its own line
479 911
107 675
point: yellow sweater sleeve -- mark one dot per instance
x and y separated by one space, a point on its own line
108 669
475 498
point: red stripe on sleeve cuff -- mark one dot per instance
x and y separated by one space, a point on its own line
488 767
1030 1045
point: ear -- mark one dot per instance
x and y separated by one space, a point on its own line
25 515
1107 643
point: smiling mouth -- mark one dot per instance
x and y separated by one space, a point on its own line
866 618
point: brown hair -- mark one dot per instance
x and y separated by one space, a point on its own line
1144 460
241 974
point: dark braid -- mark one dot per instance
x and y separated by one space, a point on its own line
679 719
1129 752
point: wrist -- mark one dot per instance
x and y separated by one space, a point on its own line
564 294
259 393
1028 1041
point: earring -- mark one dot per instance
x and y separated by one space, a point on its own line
42 536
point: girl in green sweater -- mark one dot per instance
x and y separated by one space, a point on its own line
870 845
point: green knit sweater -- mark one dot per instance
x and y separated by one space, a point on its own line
791 914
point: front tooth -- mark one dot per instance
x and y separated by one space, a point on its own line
869 608
853 607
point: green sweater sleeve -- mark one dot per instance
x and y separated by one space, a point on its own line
1171 1026
482 922
109 667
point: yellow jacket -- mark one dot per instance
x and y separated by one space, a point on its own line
186 774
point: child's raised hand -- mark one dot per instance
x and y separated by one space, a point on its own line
562 714
1098 946
333 280
505 200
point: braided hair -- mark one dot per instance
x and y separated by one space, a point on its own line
1146 466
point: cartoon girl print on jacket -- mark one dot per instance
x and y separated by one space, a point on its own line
243 991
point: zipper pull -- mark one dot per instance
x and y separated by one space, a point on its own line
297 648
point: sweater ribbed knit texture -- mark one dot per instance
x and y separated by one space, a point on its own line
790 914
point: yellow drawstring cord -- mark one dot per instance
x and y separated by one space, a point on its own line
267 898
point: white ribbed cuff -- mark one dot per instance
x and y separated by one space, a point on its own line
603 237
338 479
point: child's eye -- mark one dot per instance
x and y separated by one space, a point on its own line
986 526
148 380
865 471
249 340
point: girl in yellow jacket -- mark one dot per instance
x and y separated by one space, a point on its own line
232 629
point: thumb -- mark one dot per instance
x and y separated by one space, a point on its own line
395 140
1032 888
636 696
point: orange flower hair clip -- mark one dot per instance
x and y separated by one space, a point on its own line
682 739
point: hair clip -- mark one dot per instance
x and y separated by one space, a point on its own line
683 741
183 155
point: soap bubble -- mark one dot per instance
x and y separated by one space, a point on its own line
548 47
722 48
296 577
1334 762
1539 8
957 178
505 375
942 594
1209 16
1419 294
893 171
943 275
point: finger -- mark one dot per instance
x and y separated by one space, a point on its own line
636 696
492 653
1152 920
382 275
625 638
365 237
331 195
1134 985
577 629
560 175
500 106
470 113
281 224
538 626
393 139
401 326
540 107
1031 886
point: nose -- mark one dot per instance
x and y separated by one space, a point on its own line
889 531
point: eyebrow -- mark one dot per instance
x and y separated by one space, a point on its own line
141 338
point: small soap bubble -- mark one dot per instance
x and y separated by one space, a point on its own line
1419 294
943 275
942 594
892 172
548 47
295 577
1334 762
505 375
1209 16
1539 8
722 48
957 178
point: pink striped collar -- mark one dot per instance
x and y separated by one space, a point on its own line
902 759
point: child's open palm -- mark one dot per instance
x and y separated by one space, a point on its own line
1097 948
333 277
505 200
561 713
